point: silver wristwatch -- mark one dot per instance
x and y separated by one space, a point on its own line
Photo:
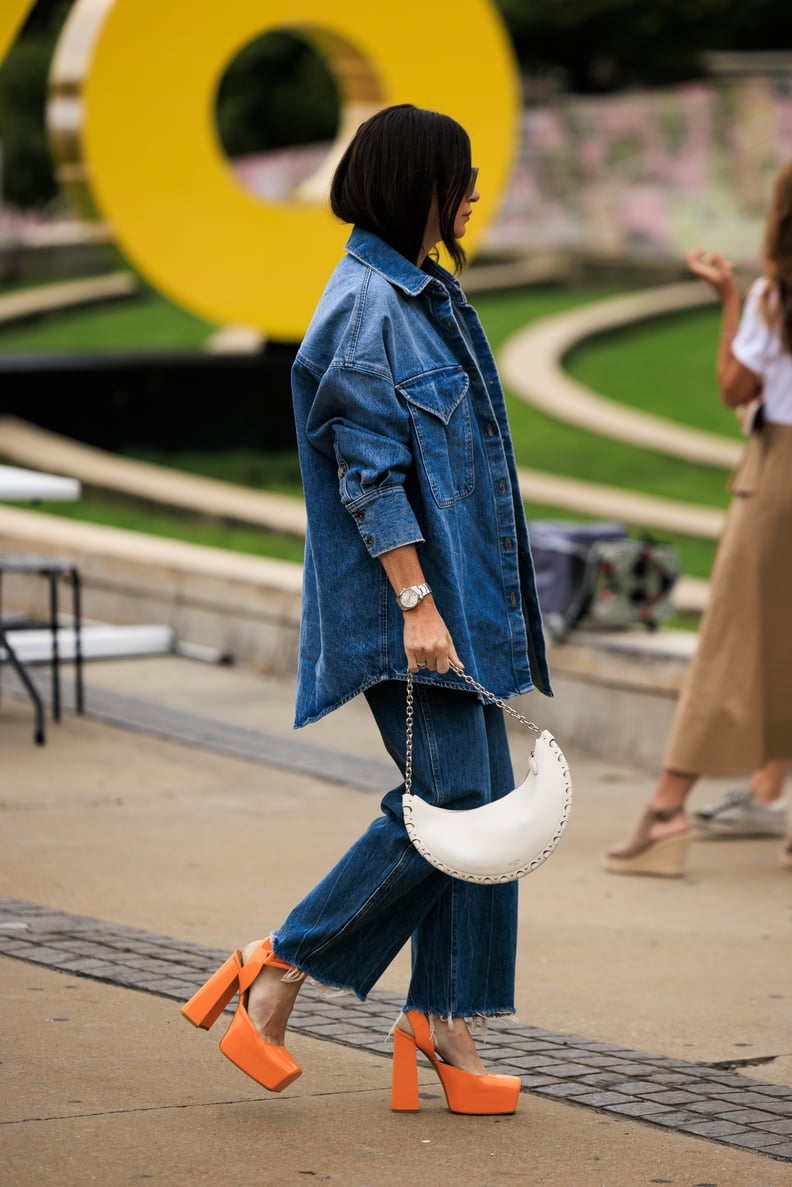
409 598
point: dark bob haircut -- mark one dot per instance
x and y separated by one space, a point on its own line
396 162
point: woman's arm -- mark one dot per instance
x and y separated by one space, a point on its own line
737 383
426 637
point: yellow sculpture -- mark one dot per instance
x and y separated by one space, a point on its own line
133 92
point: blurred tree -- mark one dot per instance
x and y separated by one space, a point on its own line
607 45
28 178
278 91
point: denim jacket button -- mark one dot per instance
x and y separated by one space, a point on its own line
360 516
341 471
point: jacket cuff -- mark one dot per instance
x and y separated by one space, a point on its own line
385 520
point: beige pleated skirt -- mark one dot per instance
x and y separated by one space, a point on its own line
735 709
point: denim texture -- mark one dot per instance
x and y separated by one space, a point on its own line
349 928
403 439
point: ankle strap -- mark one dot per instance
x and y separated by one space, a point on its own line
664 814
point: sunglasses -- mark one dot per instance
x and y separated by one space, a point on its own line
472 183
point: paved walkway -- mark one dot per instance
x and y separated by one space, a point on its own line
182 817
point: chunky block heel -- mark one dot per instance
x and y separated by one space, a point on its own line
404 1089
465 1092
205 1007
269 1064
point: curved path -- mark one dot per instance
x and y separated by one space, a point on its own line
531 364
42 449
67 294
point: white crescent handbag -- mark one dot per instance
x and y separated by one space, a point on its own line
502 840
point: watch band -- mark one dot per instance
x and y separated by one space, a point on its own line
409 597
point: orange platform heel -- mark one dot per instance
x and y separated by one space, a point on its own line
269 1064
205 1007
465 1092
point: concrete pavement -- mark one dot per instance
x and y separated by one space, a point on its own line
153 856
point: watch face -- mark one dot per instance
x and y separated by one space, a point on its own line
409 598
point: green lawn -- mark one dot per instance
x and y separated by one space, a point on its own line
544 443
278 472
144 323
664 365
156 521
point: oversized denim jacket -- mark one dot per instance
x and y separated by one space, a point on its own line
403 439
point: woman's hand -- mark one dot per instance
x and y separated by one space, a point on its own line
427 643
714 269
737 384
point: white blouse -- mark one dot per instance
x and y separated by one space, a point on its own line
759 348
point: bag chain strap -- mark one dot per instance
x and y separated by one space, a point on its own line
501 704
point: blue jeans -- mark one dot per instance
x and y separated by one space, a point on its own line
349 928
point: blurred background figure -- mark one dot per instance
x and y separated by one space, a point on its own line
735 710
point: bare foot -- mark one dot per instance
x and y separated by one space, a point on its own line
270 1000
454 1046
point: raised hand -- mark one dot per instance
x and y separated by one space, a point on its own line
713 268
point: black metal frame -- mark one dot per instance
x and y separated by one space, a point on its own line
52 570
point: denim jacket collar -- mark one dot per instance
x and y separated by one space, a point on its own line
372 251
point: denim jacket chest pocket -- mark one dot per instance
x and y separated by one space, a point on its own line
440 413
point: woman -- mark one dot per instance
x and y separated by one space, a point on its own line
417 557
735 710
